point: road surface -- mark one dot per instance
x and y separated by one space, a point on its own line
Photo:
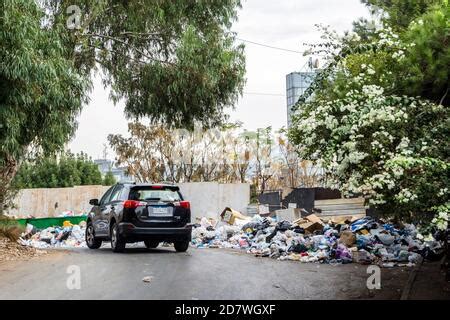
197 274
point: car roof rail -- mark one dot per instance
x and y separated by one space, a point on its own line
127 182
167 182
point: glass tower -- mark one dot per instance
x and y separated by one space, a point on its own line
296 85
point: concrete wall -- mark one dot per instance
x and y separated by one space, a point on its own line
207 199
50 202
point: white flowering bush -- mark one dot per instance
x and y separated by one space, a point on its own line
392 149
441 220
384 147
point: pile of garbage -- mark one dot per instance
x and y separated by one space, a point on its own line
66 236
311 239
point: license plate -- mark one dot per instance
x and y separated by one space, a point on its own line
160 211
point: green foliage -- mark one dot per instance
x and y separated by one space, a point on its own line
41 92
172 61
197 88
427 61
424 28
109 179
400 13
49 172
377 116
391 149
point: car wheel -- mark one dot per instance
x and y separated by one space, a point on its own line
91 241
117 243
151 244
181 246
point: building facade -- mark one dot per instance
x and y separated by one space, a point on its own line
296 85
105 165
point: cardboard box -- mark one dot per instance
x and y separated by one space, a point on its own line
290 214
229 215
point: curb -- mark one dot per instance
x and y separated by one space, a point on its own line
409 284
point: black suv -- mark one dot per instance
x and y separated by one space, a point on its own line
128 212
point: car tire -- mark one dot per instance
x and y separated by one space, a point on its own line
117 243
181 246
150 244
91 241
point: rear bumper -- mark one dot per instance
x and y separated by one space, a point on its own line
132 233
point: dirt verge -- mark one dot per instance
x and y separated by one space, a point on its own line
13 251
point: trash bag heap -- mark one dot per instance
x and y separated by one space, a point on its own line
310 239
66 236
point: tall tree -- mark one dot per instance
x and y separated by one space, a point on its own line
261 144
295 171
41 91
424 25
173 61
400 13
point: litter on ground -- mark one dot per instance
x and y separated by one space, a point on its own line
308 239
311 239
67 236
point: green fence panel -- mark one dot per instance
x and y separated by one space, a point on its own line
42 223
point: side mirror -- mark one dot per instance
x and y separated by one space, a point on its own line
93 202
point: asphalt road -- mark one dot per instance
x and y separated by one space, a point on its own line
197 274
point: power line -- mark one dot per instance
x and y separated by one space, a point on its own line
269 46
303 67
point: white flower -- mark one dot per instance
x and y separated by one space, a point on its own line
443 215
376 144
372 90
398 55
405 196
404 143
442 225
356 37
356 157
398 172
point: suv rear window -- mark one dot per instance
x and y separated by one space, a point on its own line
148 194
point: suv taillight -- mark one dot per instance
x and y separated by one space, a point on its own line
133 204
183 204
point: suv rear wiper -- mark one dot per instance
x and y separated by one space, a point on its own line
152 199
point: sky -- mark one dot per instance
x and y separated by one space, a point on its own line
287 24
